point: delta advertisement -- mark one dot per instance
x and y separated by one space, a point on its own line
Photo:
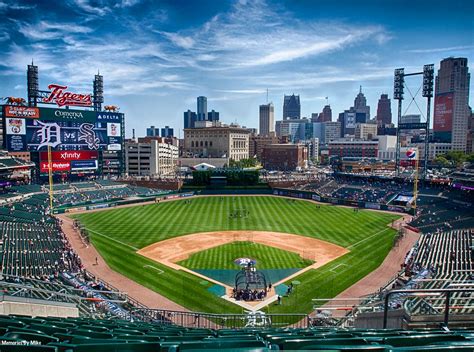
443 113
63 129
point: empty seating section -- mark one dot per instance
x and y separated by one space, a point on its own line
448 260
31 250
442 214
27 189
32 242
92 192
85 334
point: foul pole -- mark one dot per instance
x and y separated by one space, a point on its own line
50 176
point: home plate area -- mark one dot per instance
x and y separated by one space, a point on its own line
247 268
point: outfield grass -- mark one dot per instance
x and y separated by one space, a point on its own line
222 257
119 233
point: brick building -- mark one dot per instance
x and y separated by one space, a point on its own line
284 157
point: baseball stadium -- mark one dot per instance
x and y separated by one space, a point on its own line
226 258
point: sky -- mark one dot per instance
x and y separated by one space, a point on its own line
158 56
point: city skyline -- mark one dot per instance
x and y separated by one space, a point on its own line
157 59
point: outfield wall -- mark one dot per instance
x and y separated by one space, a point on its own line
336 201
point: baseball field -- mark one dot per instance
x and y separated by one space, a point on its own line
337 246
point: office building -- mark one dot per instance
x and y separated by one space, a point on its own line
285 157
365 131
213 115
201 108
167 132
331 130
291 107
152 131
350 148
152 157
190 118
266 119
384 111
257 143
217 142
360 105
326 114
451 107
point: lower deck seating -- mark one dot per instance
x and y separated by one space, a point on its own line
83 334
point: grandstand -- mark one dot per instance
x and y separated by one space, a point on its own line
37 261
39 266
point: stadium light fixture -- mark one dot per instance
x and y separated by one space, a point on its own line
428 76
398 84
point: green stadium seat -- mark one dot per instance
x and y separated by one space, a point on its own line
292 344
421 340
354 348
219 345
110 347
48 329
29 348
453 348
43 339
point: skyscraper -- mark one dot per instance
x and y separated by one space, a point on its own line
167 132
384 111
201 108
451 110
190 118
267 119
152 131
291 107
326 115
360 104
213 115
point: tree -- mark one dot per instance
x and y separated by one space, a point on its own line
441 161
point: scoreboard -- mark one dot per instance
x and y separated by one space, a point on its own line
78 138
34 129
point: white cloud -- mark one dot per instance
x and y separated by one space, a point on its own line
14 6
4 36
45 30
184 42
256 34
440 50
86 6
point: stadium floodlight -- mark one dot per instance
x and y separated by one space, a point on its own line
428 75
398 83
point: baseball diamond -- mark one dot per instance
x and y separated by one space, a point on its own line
120 235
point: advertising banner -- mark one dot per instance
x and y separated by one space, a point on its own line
48 114
22 111
372 206
57 166
109 116
443 113
84 165
70 155
15 126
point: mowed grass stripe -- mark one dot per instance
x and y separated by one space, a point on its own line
223 257
140 226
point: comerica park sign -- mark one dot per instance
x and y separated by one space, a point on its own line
61 97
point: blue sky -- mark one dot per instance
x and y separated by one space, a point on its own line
158 56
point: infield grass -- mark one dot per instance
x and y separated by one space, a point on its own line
119 233
223 257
